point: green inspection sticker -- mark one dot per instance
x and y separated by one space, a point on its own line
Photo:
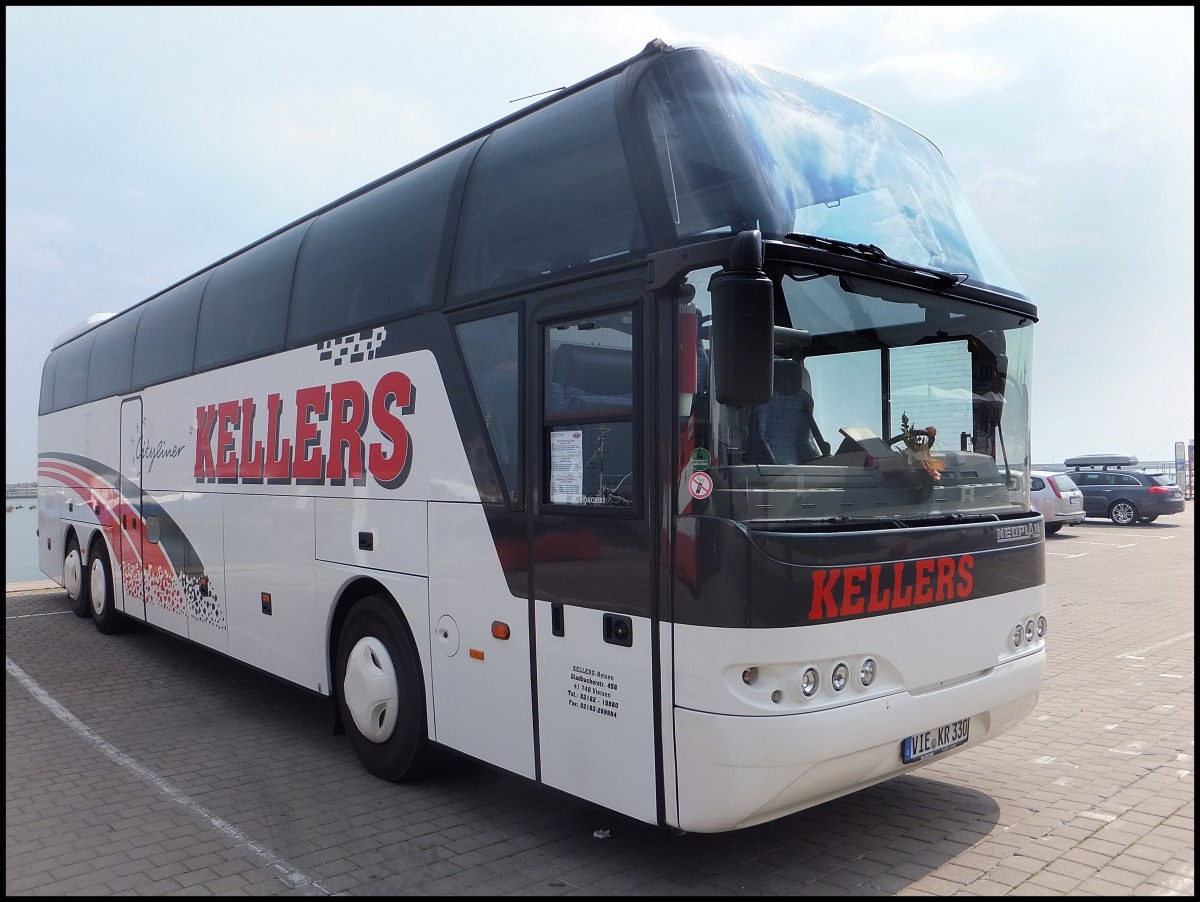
700 459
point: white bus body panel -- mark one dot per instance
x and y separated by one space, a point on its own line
596 712
269 549
482 685
198 613
398 533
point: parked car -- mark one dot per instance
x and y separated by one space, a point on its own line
1058 499
1113 487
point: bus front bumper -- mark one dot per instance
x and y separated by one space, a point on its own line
736 772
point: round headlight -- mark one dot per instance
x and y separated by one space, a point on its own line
1018 634
750 676
809 682
1029 631
1041 627
867 672
841 675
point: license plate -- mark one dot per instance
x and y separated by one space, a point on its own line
1074 501
923 745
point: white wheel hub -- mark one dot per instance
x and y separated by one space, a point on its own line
99 588
73 574
370 689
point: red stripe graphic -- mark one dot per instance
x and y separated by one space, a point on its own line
162 581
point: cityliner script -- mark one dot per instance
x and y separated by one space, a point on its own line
874 588
242 441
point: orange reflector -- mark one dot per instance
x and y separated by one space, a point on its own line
499 630
476 654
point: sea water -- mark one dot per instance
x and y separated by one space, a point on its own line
20 542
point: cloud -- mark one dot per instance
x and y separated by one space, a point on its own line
938 77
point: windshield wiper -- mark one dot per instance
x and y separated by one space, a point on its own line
874 252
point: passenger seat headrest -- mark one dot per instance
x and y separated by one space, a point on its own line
789 377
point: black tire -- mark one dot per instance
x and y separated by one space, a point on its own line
104 605
381 693
1150 519
1123 513
74 580
1052 528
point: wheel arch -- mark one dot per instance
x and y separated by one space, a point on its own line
352 593
97 538
85 535
85 546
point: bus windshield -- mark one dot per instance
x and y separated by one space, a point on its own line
889 404
741 146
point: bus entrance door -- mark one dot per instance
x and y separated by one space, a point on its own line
592 557
128 544
147 554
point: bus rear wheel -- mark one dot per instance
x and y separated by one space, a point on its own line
73 581
381 693
100 587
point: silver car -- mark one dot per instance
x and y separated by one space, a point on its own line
1058 499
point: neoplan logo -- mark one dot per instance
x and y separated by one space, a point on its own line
1017 532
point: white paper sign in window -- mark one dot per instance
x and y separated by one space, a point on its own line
566 466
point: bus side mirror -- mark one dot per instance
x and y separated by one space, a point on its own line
743 325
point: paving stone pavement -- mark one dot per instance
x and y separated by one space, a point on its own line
138 765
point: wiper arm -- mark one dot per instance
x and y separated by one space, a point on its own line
874 252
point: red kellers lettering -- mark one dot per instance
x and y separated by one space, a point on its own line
327 444
849 591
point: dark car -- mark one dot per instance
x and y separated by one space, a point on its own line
1113 487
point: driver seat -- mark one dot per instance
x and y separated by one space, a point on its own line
788 429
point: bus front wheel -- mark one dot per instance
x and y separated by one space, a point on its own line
381 693
73 581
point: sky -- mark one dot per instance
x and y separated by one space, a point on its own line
143 143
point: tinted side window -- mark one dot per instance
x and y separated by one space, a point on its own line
70 379
374 258
46 402
111 370
588 425
166 336
492 350
245 307
1036 484
547 194
1124 479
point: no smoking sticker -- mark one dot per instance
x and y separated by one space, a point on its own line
700 485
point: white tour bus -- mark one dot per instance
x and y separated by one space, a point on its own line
665 443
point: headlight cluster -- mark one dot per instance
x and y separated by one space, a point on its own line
1025 633
810 679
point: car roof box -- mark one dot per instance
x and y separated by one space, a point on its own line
1101 460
